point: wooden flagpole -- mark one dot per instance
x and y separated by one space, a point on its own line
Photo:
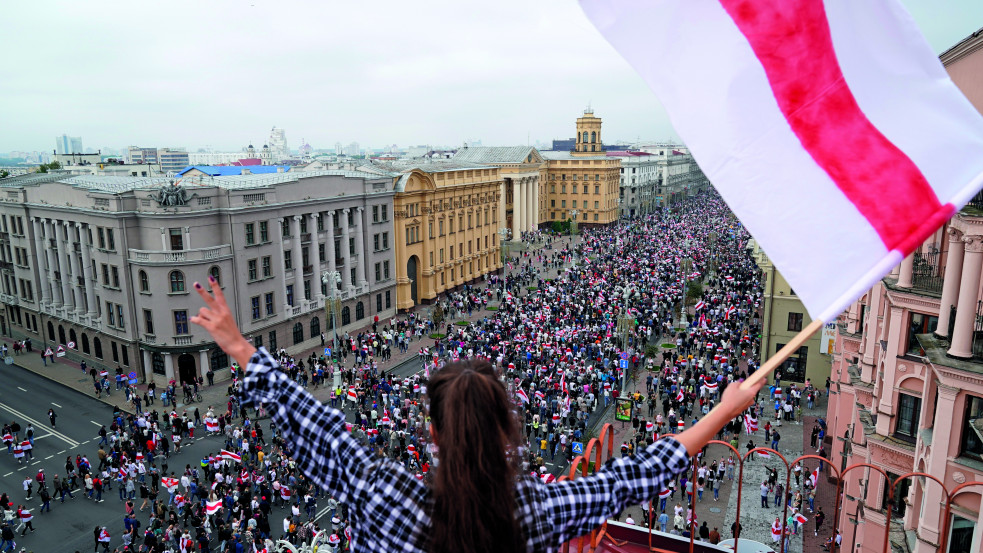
793 346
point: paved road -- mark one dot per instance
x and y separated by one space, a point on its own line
26 397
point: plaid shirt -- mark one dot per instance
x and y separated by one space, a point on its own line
390 509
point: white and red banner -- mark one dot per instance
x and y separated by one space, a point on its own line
229 456
170 484
830 128
212 507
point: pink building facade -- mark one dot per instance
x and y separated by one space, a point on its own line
907 392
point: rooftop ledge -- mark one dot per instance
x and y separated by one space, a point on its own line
935 353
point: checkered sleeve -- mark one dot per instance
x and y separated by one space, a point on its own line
315 433
575 507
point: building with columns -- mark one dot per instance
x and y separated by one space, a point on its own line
523 172
447 220
907 390
108 263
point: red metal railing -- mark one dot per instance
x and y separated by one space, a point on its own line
581 466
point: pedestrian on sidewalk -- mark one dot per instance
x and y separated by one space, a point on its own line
820 516
52 416
28 486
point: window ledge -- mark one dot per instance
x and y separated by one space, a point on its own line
185 293
146 293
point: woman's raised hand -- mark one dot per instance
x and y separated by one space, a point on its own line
217 319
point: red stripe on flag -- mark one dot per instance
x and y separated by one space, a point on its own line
792 41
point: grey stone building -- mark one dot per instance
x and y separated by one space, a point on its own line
109 263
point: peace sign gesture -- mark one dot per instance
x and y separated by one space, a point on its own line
217 319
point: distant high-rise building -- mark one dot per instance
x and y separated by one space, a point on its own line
352 149
172 159
278 145
338 149
65 144
136 154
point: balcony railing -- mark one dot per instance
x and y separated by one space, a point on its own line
182 340
619 537
8 299
926 272
182 256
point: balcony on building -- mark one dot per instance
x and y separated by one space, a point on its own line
165 257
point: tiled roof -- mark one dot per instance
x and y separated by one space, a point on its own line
558 155
493 154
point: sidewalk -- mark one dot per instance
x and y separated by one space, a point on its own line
68 373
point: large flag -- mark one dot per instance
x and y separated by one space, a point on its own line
212 507
814 478
230 456
521 394
820 123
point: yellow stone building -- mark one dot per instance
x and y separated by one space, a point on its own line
447 217
584 182
523 172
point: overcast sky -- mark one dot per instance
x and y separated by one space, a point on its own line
221 73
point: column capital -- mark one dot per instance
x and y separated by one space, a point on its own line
346 210
955 235
281 219
298 217
360 208
78 225
948 393
973 244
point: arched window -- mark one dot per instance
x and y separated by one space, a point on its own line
72 337
51 331
85 343
346 316
359 311
144 281
177 281
585 137
315 327
216 274
98 346
298 333
61 334
593 137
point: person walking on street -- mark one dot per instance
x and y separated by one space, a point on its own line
820 516
28 486
52 416
45 499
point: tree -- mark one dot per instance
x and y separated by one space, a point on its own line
45 167
437 314
4 173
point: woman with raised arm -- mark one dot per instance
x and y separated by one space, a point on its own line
479 501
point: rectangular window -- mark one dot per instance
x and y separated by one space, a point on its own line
385 213
320 252
257 341
378 303
119 316
288 262
563 203
385 269
267 267
290 295
253 269
351 246
303 224
100 233
148 321
254 303
307 290
285 228
378 272
575 204
385 238
305 258
375 214
431 259
452 253
919 323
352 272
376 242
795 322
115 271
597 205
180 322
264 232
272 337
909 409
105 274
110 240
972 442
111 314
115 349
388 300
269 303
250 234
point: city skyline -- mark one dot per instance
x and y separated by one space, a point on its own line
510 74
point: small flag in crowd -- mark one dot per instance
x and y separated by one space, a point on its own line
699 305
212 507
521 394
800 518
664 494
814 478
229 456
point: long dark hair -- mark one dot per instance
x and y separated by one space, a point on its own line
474 485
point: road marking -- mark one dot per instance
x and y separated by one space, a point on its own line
60 452
323 512
56 405
85 442
48 457
99 424
22 389
36 462
8 474
71 443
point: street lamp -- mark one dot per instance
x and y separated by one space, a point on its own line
574 227
332 305
625 324
684 268
506 234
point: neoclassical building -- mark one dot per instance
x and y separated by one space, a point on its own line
447 220
523 172
108 263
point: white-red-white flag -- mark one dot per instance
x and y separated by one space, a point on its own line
521 394
845 99
229 456
212 507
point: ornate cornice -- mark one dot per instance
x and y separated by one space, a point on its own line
955 378
901 459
